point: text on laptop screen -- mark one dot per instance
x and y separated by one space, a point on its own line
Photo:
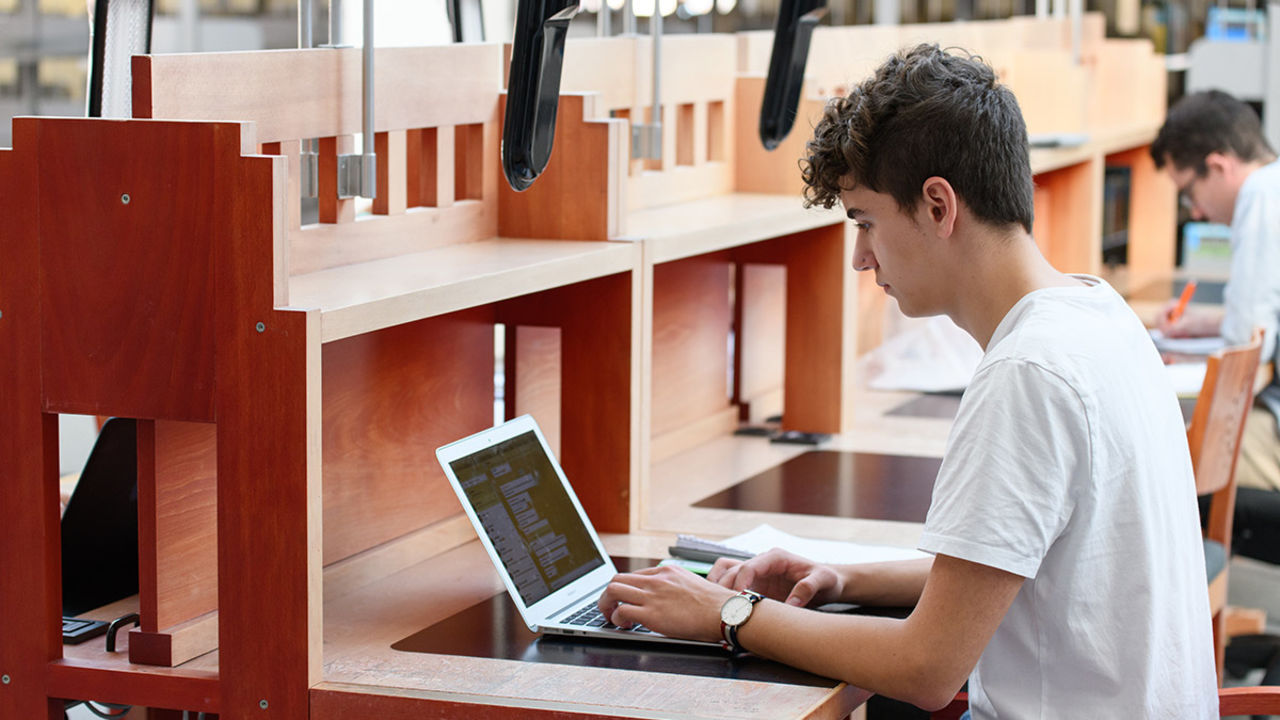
527 515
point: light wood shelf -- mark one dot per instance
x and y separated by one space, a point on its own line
718 223
369 296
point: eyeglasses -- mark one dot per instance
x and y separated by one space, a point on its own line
1184 193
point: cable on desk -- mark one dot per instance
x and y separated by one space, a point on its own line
112 711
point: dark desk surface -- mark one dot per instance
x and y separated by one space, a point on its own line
842 484
494 629
944 406
1208 292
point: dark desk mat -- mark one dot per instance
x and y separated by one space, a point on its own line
1208 292
840 484
946 406
493 629
931 405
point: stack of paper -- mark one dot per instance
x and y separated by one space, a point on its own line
767 537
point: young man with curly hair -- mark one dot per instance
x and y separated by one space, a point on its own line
1067 575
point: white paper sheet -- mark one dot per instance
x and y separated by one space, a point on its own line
766 537
1187 346
1187 377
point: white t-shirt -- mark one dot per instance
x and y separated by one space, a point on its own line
1068 465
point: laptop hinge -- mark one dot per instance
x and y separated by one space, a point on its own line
576 603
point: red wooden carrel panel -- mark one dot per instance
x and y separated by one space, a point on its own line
390 399
596 388
268 447
570 199
143 304
691 323
31 592
816 263
125 269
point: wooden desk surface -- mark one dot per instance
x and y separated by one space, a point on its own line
361 625
682 480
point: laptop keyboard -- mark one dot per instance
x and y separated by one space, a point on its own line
590 616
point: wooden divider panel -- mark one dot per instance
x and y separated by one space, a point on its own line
820 344
620 70
1071 229
533 364
300 94
599 388
177 530
576 197
691 322
268 446
31 594
1153 214
125 280
316 93
390 399
776 171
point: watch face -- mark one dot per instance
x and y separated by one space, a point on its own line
735 610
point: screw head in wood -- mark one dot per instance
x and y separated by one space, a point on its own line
262 327
5 679
262 704
124 199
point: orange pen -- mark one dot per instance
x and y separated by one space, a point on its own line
1183 299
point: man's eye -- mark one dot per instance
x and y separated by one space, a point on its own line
862 225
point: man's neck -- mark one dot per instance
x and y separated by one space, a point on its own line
1005 270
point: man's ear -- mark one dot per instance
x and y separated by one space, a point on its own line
941 205
1222 162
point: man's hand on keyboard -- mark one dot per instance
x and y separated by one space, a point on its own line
669 600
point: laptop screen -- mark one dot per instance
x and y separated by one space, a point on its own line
528 516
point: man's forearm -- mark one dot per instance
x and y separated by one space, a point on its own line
897 584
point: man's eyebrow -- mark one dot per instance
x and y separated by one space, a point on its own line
853 213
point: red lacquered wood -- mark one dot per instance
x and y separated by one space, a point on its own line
190 690
31 592
268 455
390 399
596 391
129 328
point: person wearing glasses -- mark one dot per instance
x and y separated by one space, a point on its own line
1212 147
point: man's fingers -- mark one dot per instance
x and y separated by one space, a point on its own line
803 592
746 575
618 591
626 615
722 566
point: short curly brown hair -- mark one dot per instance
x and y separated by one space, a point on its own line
926 112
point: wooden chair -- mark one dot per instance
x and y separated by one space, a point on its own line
1217 426
1257 700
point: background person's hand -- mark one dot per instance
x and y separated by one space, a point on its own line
781 576
1191 324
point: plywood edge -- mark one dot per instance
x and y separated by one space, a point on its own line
352 573
175 645
674 442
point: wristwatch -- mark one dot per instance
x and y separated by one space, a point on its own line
733 613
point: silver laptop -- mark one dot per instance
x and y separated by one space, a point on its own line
540 540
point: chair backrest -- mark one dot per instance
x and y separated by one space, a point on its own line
1263 700
1217 426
